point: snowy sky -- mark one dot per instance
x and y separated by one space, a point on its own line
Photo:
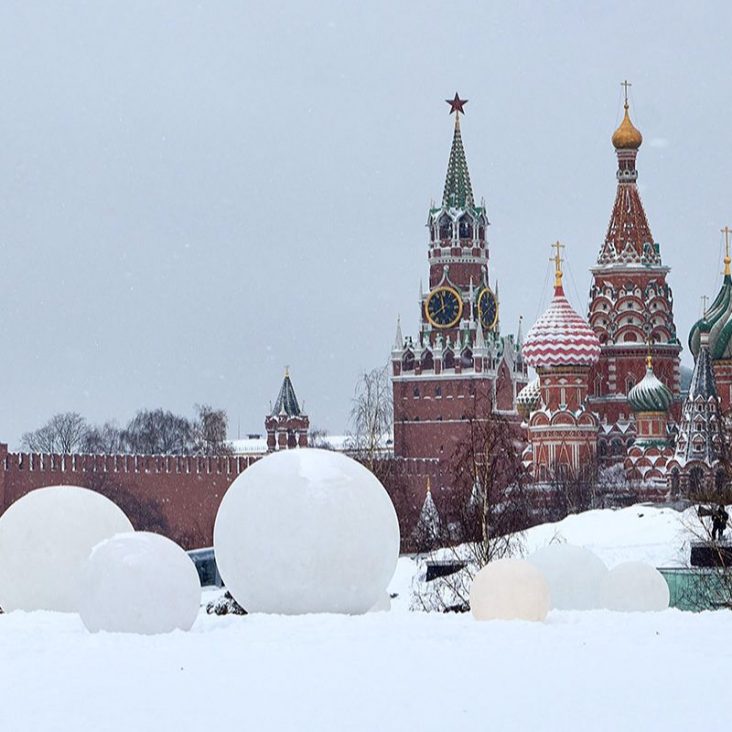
193 195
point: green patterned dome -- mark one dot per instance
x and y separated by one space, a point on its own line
718 322
650 394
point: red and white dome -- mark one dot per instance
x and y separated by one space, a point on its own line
560 337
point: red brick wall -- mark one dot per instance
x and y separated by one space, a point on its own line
178 496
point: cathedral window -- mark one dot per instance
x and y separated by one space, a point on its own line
438 391
415 392
428 362
448 360
408 361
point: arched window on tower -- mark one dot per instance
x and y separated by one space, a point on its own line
445 227
428 362
408 361
448 359
465 227
629 383
466 358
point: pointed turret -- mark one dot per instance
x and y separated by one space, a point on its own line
398 338
700 433
287 424
286 400
458 191
629 239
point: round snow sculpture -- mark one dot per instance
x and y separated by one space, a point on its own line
306 531
635 587
509 589
574 575
139 583
45 538
383 604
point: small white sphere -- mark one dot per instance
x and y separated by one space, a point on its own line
306 531
635 587
139 583
45 539
509 589
574 575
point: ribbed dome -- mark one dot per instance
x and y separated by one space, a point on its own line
560 337
529 398
717 321
627 137
650 394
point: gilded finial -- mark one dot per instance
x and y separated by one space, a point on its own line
649 356
287 372
557 259
429 485
626 137
727 259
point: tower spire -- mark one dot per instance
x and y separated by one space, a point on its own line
458 191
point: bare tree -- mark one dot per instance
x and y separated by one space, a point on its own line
159 432
372 415
105 440
63 433
490 508
319 438
210 431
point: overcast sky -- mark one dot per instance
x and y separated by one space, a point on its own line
193 195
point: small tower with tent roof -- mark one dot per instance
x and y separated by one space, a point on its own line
287 425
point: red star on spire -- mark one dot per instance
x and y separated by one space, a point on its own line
457 104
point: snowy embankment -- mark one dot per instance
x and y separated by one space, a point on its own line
386 671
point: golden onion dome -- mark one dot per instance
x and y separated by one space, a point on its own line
627 137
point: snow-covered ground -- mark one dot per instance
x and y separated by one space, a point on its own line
386 671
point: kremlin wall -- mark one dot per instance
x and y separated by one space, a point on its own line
607 389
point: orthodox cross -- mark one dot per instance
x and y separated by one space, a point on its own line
557 259
726 231
625 84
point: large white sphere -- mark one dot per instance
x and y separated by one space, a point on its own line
635 587
509 589
45 539
306 531
574 575
139 583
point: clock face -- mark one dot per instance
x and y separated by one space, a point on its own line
487 308
443 307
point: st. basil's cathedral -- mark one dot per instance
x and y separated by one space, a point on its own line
607 390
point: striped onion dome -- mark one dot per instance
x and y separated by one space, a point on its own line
717 321
560 337
529 398
650 394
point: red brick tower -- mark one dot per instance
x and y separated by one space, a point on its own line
287 426
562 432
458 364
630 304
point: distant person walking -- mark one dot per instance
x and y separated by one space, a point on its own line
720 518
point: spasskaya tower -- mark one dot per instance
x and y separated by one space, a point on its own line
458 365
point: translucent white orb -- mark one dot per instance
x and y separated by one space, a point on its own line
509 589
635 587
574 575
45 538
306 531
383 604
139 583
